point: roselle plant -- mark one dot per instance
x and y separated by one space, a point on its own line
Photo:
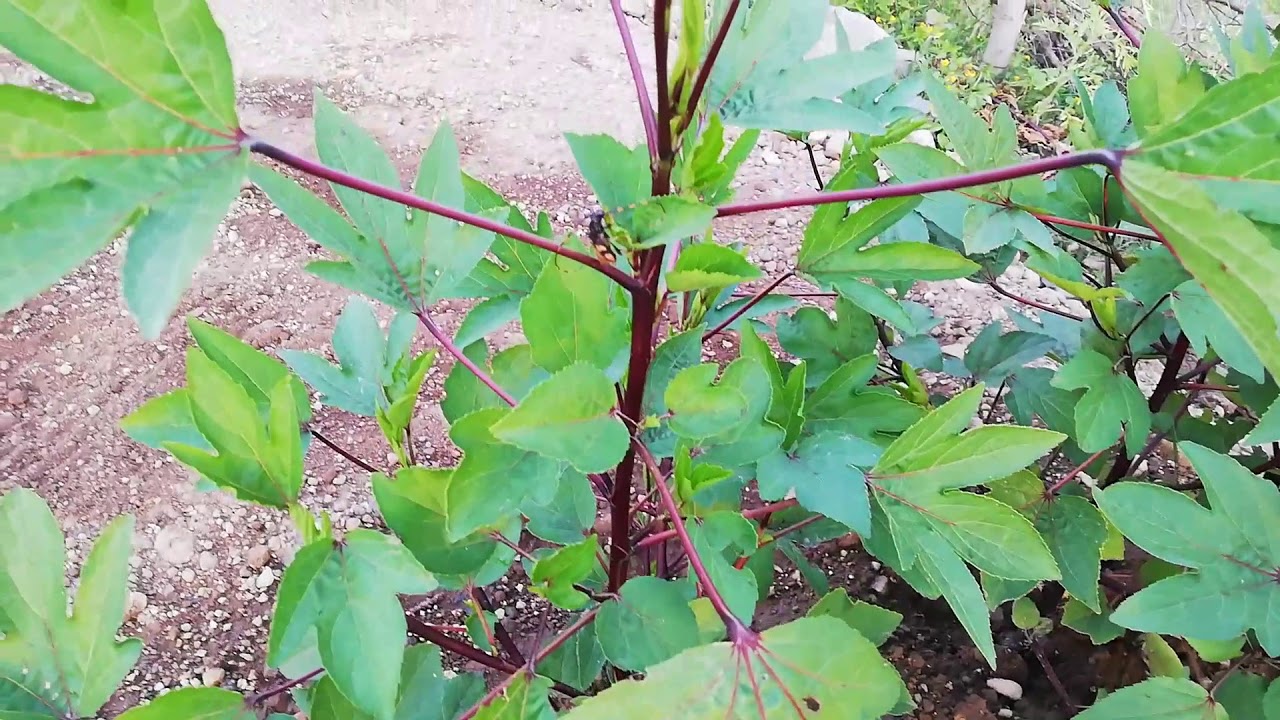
1163 224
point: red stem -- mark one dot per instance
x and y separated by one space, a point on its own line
704 72
747 306
1109 158
1106 229
1073 473
735 626
1124 26
637 76
1034 304
643 318
397 195
452 348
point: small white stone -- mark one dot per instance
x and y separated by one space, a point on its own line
213 676
1005 687
268 576
1004 712
188 575
64 369
880 584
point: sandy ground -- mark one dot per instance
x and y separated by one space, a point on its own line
511 76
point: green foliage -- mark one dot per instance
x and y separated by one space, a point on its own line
56 662
340 599
848 680
623 404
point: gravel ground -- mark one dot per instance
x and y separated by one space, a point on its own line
511 77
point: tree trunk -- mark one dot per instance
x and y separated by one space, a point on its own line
1006 26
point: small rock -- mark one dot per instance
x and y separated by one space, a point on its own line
268 576
1004 712
17 397
880 584
64 369
137 603
175 545
258 556
213 677
208 561
834 146
1007 688
8 421
188 575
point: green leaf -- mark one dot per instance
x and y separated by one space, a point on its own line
571 316
1241 694
875 301
992 357
1161 659
1231 549
56 661
974 457
1112 404
193 703
578 662
947 572
563 518
824 471
703 408
1026 616
405 262
831 244
910 163
619 175
808 666
1162 698
980 147
155 152
763 79
706 265
343 597
1206 325
413 506
944 422
255 371
1098 626
570 418
674 355
514 265
663 220
871 621
720 539
555 575
366 357
1164 88
167 418
826 344
1071 526
494 478
257 461
651 622
1271 701
524 699
900 261
1237 275
1218 650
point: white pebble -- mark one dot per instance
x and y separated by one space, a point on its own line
1007 688
880 584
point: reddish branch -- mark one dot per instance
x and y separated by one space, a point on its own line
735 627
637 76
408 199
1108 158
